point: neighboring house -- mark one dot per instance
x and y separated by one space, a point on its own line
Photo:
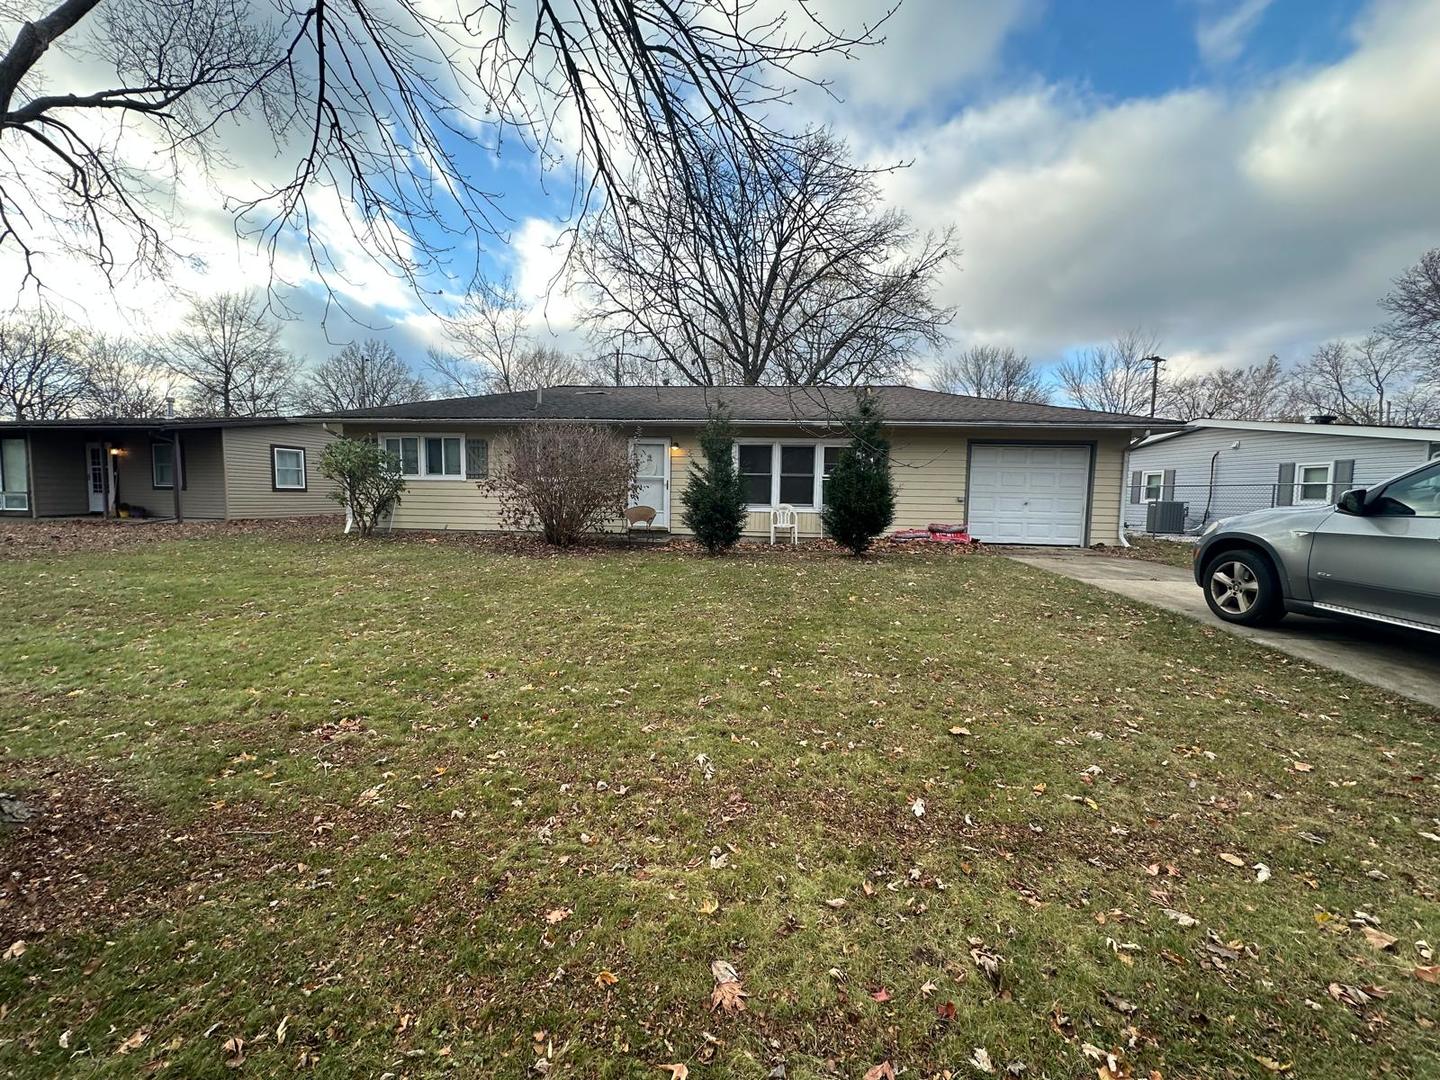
1219 468
163 467
1016 473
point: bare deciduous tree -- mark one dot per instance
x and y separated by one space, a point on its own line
1414 305
1258 392
125 378
991 371
784 271
228 356
566 479
1114 377
493 352
42 367
377 106
1365 382
360 376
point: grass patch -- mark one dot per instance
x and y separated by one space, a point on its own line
358 808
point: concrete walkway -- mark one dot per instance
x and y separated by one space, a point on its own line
1404 662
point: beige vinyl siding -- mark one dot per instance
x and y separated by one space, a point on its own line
249 476
203 493
930 467
58 474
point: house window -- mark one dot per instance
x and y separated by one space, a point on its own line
1312 483
797 475
1152 486
756 462
427 457
786 472
287 468
477 459
831 458
14 478
162 464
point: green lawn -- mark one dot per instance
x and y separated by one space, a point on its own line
431 809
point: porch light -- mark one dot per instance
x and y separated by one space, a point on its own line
115 451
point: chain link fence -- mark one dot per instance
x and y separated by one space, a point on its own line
1185 509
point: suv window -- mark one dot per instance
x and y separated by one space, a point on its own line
1417 495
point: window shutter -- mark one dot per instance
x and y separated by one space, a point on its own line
477 459
1285 485
1167 485
1135 487
1342 473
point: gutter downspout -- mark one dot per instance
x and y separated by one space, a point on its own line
1124 490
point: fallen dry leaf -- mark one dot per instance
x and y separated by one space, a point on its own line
980 1059
1303 766
945 1011
1429 974
1119 1004
709 906
1180 917
1233 860
234 1049
882 995
134 1042
835 902
678 1071
606 978
927 988
15 951
1378 938
883 1071
729 995
558 915
1356 996
1272 1065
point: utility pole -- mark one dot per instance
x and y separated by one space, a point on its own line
1155 362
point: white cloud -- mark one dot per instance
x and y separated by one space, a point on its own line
1224 27
1235 226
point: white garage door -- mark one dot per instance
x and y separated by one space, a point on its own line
1029 494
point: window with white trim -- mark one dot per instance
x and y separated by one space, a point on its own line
1312 483
756 466
786 471
427 457
288 468
14 476
1152 486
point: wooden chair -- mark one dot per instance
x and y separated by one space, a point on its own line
782 519
636 516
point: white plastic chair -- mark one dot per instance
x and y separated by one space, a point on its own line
782 519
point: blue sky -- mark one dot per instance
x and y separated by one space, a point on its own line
1241 177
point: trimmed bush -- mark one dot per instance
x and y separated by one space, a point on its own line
859 495
715 497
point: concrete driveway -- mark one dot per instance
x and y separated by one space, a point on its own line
1404 662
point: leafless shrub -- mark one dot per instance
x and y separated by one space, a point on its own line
565 479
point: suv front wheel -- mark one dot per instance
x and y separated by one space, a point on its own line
1241 587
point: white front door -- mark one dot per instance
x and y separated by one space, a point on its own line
1028 494
95 460
653 478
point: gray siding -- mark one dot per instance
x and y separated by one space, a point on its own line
1245 477
203 493
249 478
58 474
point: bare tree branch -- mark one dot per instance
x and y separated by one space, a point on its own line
991 371
785 272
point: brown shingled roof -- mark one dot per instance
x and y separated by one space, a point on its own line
748 404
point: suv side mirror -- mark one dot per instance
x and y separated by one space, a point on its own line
1353 502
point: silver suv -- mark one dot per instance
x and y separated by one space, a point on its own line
1375 555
